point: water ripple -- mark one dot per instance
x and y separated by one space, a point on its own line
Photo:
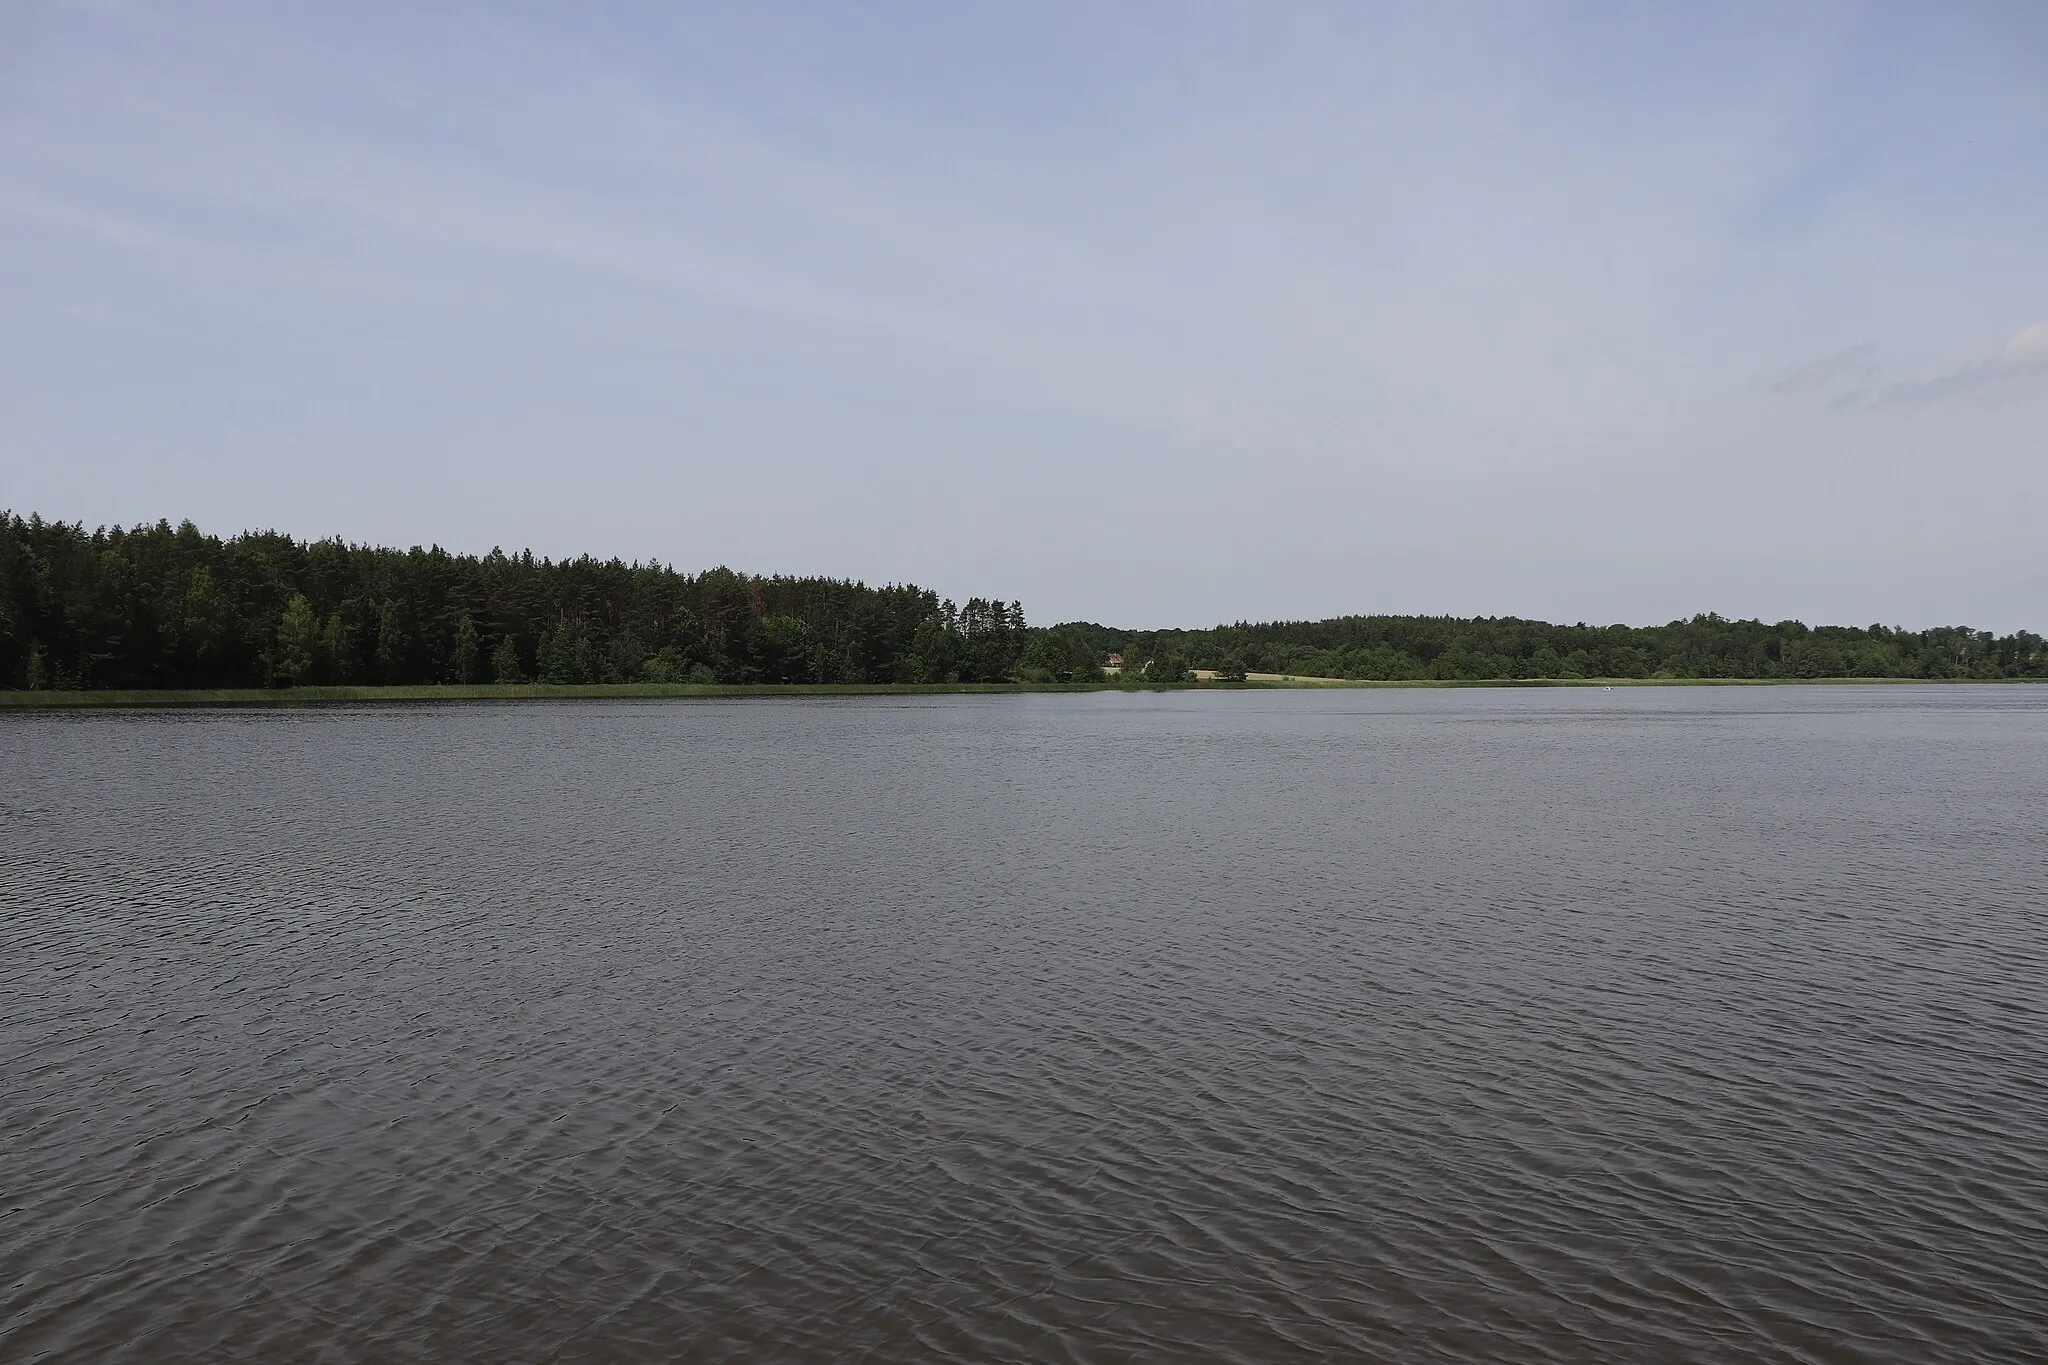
1473 1026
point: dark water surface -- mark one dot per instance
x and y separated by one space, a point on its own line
1650 1025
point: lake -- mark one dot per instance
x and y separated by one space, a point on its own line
1655 1024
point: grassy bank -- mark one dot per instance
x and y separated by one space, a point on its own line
334 696
338 696
1280 680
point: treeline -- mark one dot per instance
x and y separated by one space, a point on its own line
1501 648
162 606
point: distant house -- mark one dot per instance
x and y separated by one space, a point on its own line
1115 661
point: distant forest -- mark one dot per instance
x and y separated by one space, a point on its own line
162 606
1414 648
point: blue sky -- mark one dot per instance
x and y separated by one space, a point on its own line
1149 314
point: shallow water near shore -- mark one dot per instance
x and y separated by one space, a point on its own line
1564 1025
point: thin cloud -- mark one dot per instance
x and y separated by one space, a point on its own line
1243 317
1853 368
2021 366
2028 347
1852 378
28 204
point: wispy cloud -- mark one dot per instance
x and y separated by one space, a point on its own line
2019 367
30 204
1854 378
1845 370
1081 288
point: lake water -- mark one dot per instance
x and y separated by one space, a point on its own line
1655 1025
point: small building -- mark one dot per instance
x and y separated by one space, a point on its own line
1115 661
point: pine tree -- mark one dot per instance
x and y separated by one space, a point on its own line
505 662
466 651
333 658
547 662
207 630
390 644
298 640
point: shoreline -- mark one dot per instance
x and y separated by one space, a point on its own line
258 698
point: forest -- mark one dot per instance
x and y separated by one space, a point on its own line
164 607
171 607
1503 648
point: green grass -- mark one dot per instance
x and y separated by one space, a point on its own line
1626 682
335 696
332 696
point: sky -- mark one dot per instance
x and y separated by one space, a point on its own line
1148 314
